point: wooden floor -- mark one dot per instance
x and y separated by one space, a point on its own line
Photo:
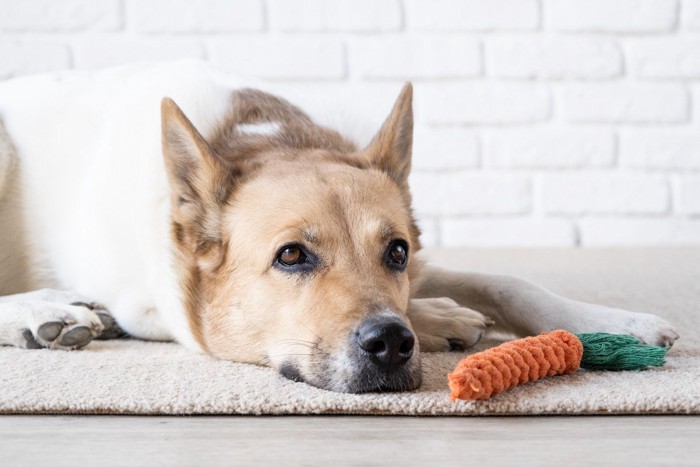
347 440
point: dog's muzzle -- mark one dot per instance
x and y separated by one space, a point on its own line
381 354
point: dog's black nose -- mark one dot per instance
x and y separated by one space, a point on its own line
386 341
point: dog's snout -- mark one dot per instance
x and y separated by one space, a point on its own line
388 343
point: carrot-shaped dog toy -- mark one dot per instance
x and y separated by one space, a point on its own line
486 373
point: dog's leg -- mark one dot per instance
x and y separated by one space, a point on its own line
53 319
525 309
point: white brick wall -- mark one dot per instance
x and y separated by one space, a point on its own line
35 16
621 16
625 102
689 201
605 193
335 15
186 16
553 57
538 122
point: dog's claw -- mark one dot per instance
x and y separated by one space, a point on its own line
668 338
31 342
112 330
456 345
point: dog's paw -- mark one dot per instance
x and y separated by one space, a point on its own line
61 327
650 329
441 324
40 299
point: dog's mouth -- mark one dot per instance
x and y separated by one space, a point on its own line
358 379
371 380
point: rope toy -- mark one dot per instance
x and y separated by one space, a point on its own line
559 352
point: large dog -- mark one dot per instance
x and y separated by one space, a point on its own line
239 226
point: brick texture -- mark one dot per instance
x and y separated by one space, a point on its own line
495 233
65 15
660 149
537 122
110 51
515 57
691 14
415 57
202 16
549 149
30 57
289 58
472 15
456 193
689 202
622 16
664 58
486 103
445 149
639 232
626 103
598 193
336 15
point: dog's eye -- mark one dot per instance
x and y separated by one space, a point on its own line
294 258
397 254
291 255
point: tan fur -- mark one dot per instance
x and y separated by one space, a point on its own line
239 197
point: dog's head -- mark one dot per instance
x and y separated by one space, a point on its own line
293 247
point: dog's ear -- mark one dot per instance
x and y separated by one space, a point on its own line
195 173
200 182
390 150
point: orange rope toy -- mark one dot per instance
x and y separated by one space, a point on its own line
559 352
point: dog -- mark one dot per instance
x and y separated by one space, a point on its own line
176 202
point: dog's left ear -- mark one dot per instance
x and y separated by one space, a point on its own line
390 150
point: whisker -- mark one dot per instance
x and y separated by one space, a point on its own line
308 329
298 341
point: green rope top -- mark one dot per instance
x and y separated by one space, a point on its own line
602 351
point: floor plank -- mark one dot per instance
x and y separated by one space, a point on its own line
347 440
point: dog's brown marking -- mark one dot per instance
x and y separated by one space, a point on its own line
297 131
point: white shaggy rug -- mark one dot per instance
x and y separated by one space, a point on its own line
132 377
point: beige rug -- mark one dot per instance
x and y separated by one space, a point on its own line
131 377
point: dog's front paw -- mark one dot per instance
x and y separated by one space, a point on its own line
441 324
62 327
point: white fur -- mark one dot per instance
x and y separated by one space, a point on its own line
266 129
93 185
